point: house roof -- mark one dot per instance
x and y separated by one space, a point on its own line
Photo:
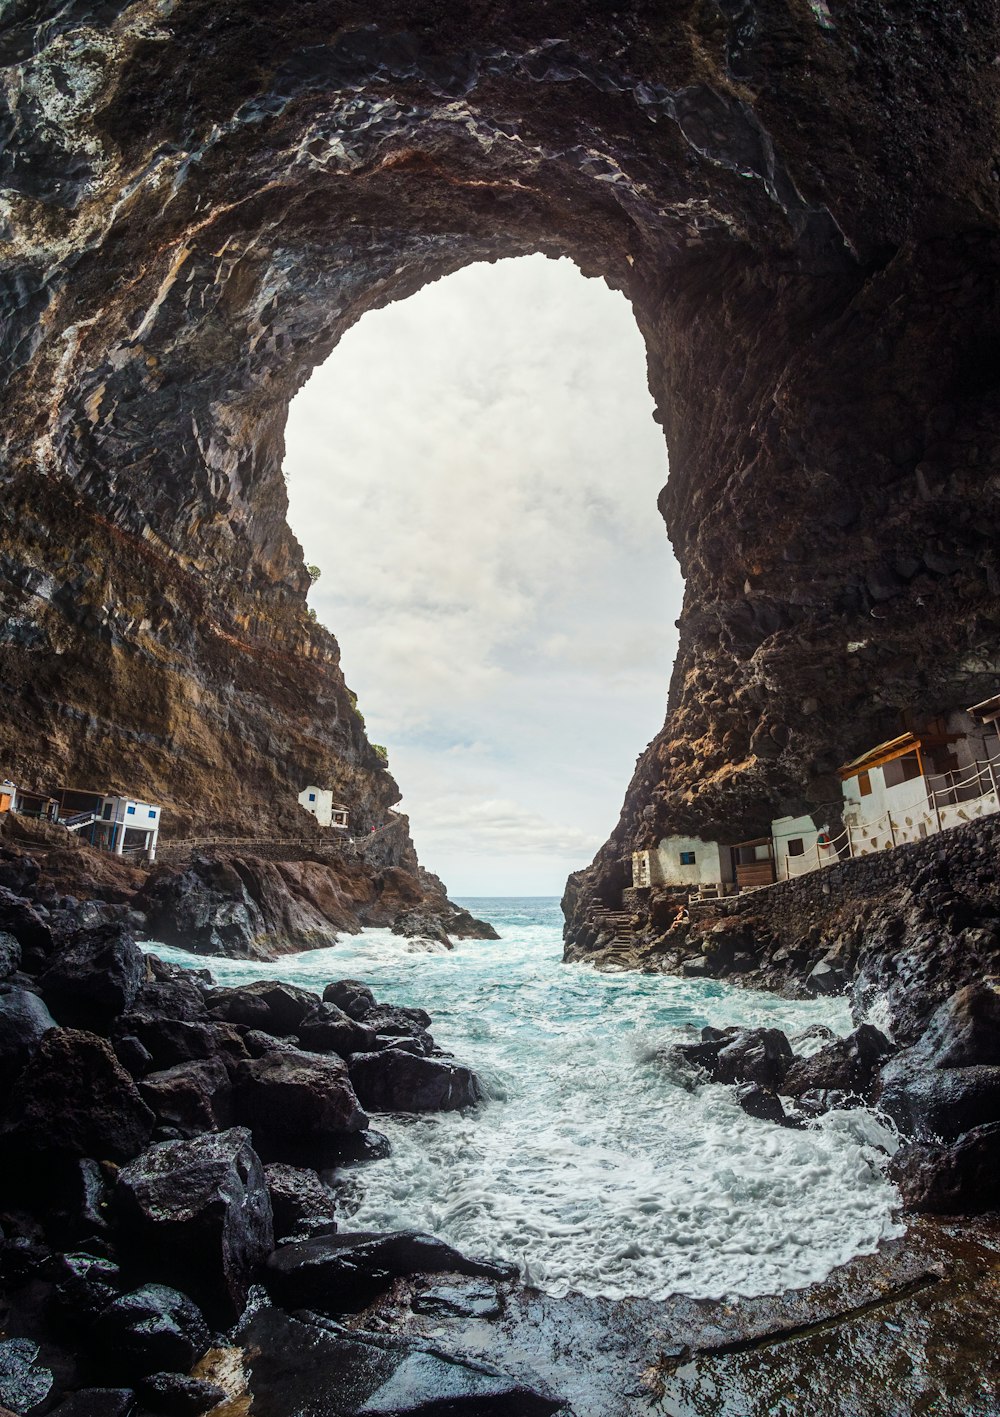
988 709
894 748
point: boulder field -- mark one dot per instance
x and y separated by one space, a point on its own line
168 1149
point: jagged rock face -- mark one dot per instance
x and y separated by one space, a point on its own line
800 200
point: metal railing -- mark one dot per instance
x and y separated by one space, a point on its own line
895 828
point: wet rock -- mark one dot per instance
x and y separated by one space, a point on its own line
955 1179
24 1382
357 1148
269 1006
10 955
95 978
152 1329
758 1055
170 1041
949 1081
848 1065
82 1212
75 1098
824 978
328 1029
397 1022
343 1273
197 1214
97 1402
86 1285
24 1019
464 1301
179 1396
355 998
302 1205
931 1104
191 1097
134 1057
31 927
761 1102
396 1081
298 1105
303 1367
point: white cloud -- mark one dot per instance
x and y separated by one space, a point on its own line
475 471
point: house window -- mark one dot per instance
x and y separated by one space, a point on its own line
109 807
687 858
903 769
796 847
152 811
312 797
130 811
864 784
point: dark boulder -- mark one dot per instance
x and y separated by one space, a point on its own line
965 1031
10 955
759 1055
86 1285
81 1209
297 1366
761 1102
179 1396
267 1005
327 1029
396 1081
825 978
847 1065
355 1149
302 1205
169 1041
96 1402
134 1057
955 1179
31 926
191 1097
350 995
296 1104
92 980
24 1382
339 1274
151 1329
197 1214
179 996
948 1082
473 1300
937 1104
24 1020
75 1098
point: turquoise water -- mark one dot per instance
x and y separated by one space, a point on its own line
594 1166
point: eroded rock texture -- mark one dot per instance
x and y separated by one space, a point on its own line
800 200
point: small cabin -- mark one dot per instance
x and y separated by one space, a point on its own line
126 824
682 861
8 796
800 846
36 804
319 801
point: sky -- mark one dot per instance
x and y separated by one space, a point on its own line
475 470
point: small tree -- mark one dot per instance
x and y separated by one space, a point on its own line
382 752
313 573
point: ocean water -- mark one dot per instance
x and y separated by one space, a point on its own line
594 1166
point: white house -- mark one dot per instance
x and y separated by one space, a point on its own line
683 861
124 823
800 846
319 801
888 794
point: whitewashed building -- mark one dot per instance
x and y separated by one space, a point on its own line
319 801
125 824
683 861
889 797
800 846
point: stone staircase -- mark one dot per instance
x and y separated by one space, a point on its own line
621 925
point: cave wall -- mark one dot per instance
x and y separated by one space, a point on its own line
197 198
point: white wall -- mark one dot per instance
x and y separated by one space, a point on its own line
322 805
814 856
912 813
711 863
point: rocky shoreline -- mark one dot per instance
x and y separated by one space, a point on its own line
170 1231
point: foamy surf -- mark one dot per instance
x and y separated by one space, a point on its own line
592 1166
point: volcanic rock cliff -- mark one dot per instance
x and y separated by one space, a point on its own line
800 200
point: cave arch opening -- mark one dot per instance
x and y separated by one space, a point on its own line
474 472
